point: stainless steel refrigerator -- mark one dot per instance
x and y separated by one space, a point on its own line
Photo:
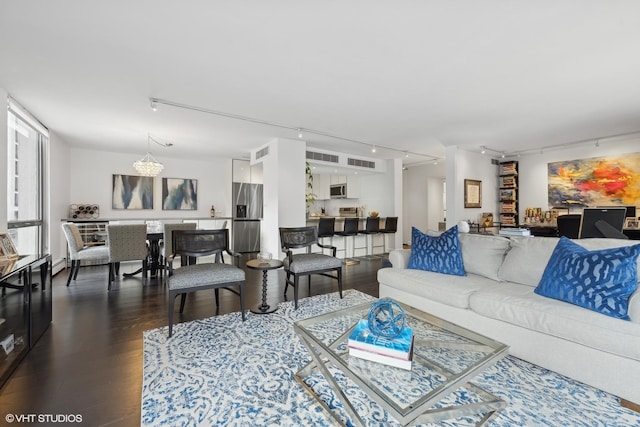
247 211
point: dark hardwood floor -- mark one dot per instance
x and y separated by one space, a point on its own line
89 361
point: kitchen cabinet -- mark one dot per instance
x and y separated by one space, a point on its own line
353 186
321 186
241 171
338 179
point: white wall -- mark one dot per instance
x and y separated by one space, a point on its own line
376 192
463 165
3 161
59 180
422 198
533 168
91 182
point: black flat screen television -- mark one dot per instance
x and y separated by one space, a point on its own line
603 222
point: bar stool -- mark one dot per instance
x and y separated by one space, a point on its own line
326 228
350 230
372 227
390 227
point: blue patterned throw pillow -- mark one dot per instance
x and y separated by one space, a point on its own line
440 254
599 280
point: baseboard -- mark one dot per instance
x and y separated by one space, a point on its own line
58 266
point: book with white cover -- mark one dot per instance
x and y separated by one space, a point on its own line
380 358
362 338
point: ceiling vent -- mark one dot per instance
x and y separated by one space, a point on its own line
361 163
261 153
312 155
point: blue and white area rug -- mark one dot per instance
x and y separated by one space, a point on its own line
222 371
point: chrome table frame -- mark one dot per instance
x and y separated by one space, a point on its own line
422 409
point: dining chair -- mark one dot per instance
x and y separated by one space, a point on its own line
191 276
127 242
79 252
307 264
167 241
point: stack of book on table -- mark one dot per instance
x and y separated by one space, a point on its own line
397 351
514 232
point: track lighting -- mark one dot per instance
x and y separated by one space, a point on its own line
154 106
373 149
406 154
598 143
482 149
299 133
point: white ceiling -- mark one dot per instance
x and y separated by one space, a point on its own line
413 75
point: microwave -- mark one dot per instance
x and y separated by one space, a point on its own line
338 191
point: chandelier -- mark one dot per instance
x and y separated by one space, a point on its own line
148 165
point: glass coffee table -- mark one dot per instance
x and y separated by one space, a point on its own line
446 357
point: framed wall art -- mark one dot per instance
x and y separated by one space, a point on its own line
132 192
597 181
179 194
472 193
631 223
7 248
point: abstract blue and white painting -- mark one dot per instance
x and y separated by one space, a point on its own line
132 192
179 194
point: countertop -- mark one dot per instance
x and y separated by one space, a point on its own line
316 218
143 219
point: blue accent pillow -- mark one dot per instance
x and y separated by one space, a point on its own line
440 254
601 280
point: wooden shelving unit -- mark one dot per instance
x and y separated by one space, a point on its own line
508 194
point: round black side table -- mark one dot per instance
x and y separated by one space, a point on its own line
265 266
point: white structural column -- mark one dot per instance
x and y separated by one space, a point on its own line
455 187
397 203
284 180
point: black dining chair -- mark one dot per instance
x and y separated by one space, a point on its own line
569 225
307 264
191 276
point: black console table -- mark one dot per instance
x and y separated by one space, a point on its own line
552 231
25 308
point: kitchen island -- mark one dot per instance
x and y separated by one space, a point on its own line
347 245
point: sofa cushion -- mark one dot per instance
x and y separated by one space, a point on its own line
440 254
482 254
520 306
600 280
451 290
526 260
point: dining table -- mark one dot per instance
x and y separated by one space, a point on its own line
154 237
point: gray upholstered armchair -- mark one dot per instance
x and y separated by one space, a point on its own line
306 264
79 252
192 276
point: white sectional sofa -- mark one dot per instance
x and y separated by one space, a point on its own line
496 299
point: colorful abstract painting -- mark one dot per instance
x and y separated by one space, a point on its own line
179 194
132 192
598 181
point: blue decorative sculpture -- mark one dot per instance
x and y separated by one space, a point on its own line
386 318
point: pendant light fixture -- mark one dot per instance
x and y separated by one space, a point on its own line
148 165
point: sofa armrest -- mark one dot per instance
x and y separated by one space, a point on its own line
399 258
